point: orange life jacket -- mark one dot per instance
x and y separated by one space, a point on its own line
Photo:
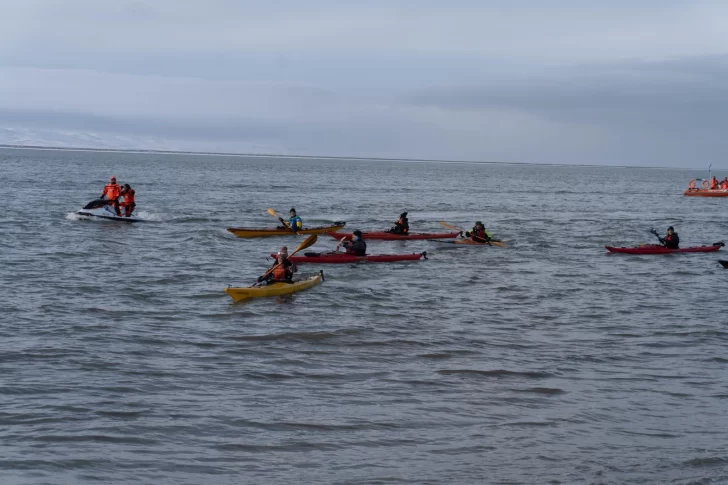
128 196
280 273
714 183
112 191
724 185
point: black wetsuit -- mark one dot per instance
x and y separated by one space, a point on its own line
357 248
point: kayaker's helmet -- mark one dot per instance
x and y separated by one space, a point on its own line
403 215
283 252
357 233
479 223
292 211
670 229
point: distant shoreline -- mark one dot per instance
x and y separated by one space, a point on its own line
303 157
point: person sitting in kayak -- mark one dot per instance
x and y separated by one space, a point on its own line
128 204
478 233
671 240
401 226
283 269
111 192
356 246
294 222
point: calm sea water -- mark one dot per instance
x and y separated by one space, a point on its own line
123 361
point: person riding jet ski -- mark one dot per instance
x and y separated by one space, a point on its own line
111 192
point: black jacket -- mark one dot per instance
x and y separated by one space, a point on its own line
357 248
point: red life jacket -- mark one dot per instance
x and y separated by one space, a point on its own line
128 196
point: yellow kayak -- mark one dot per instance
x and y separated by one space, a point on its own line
279 231
274 289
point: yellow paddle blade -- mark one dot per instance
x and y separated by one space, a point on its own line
272 212
310 240
498 243
449 226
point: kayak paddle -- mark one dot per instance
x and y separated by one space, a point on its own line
490 242
285 224
308 242
340 243
662 241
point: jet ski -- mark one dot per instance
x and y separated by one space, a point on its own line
100 208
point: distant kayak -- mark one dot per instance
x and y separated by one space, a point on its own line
274 289
724 263
250 232
657 249
98 210
464 243
343 258
390 236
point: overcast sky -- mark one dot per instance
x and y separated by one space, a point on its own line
562 81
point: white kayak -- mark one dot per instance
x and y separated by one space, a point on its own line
99 209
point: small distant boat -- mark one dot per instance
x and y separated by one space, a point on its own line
705 191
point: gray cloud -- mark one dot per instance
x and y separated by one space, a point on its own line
567 82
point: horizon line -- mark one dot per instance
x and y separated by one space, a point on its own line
321 157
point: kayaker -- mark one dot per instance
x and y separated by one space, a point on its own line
478 233
282 269
294 222
671 240
356 246
128 203
401 226
111 192
283 253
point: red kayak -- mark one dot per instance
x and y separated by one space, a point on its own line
657 249
390 236
343 258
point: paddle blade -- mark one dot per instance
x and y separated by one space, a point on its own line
498 243
272 212
310 240
449 226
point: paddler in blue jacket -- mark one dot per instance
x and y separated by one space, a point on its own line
294 222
